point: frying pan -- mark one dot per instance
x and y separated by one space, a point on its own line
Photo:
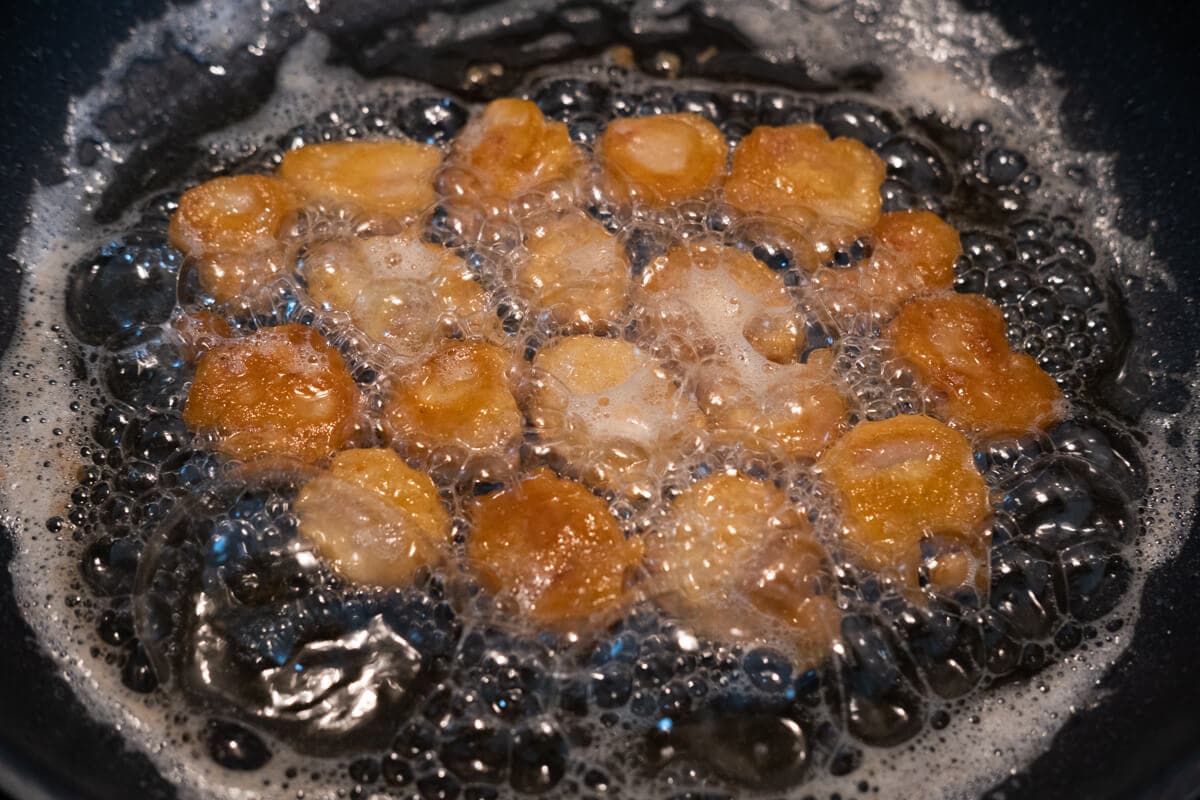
1129 70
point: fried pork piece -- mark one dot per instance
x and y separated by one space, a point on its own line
230 226
610 410
392 177
912 501
457 404
735 560
828 189
913 254
728 303
734 319
506 153
375 519
957 345
660 160
795 409
399 290
553 549
280 391
573 271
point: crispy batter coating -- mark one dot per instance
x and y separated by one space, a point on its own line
735 320
956 344
913 254
374 519
905 484
734 559
660 160
230 226
553 549
238 213
458 402
399 290
280 391
610 410
827 188
392 177
796 409
573 271
507 152
729 303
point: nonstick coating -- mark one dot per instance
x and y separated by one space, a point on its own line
1130 70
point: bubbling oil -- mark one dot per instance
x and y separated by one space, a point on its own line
228 642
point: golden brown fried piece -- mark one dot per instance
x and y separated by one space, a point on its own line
734 559
660 160
913 254
456 404
573 271
376 520
230 226
829 189
506 153
399 290
239 213
957 345
553 549
392 178
909 483
611 411
280 391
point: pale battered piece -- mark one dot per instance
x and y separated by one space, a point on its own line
374 519
730 304
957 346
507 153
280 392
610 410
733 318
660 160
399 290
735 560
908 488
457 408
389 178
827 190
573 272
913 254
796 410
553 550
230 228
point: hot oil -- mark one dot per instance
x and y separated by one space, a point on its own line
512 711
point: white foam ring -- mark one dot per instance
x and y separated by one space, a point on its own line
937 56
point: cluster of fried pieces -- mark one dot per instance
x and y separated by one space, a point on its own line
631 373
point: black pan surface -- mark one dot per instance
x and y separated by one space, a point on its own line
1130 70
